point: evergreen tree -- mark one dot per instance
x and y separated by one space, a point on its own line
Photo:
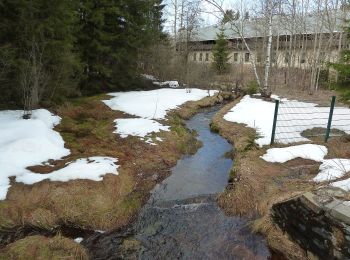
113 35
221 52
49 48
37 37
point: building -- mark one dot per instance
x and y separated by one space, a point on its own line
299 42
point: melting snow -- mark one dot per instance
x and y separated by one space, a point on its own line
332 169
138 127
78 240
258 114
149 106
306 151
345 184
92 168
25 143
255 113
153 104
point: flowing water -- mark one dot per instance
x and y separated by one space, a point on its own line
182 220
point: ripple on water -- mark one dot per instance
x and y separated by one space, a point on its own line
182 219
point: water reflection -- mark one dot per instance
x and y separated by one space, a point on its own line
182 219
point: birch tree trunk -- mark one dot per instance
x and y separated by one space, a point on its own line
175 23
266 89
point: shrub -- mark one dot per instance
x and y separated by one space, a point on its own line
214 127
250 141
252 88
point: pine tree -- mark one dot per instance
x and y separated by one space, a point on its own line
37 37
48 48
113 33
221 52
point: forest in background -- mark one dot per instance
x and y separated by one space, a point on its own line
51 51
54 50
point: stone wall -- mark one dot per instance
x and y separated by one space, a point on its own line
318 221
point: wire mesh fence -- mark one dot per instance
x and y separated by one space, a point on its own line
299 121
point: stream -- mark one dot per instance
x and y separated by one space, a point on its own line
182 219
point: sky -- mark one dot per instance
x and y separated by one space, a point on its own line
209 14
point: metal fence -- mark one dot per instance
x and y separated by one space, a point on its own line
296 121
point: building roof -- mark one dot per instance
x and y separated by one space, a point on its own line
281 25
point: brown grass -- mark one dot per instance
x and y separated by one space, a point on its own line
42 248
321 97
257 185
87 127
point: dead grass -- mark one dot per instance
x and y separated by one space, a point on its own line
322 96
42 248
192 107
256 184
87 127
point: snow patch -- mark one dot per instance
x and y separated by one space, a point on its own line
153 104
78 240
307 151
255 113
345 185
332 169
150 141
92 168
258 114
24 143
30 142
138 127
329 170
149 106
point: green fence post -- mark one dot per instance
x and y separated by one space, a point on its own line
277 103
330 119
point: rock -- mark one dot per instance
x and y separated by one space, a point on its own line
318 221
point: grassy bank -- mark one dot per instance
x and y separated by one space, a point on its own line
255 185
40 247
87 128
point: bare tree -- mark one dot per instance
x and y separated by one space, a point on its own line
33 78
237 24
269 10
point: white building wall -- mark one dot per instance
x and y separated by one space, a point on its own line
299 59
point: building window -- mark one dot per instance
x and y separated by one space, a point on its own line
247 57
302 58
235 57
195 56
207 57
200 56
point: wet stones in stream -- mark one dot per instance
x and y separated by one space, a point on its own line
185 229
197 230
